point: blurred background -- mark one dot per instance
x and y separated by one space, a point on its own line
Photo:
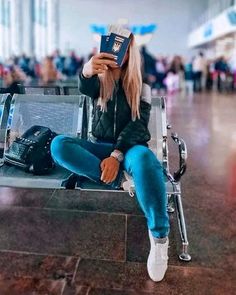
186 45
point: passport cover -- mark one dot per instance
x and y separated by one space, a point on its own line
104 42
116 45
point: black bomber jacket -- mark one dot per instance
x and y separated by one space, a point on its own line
115 125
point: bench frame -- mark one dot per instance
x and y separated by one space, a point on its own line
174 193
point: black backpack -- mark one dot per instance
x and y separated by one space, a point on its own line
31 151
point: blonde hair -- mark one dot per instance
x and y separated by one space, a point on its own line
131 81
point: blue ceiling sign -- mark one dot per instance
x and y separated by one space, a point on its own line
143 30
136 30
232 17
208 31
101 30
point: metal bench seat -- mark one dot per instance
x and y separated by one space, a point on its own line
11 176
62 114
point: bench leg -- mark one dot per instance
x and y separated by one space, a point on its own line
184 256
170 205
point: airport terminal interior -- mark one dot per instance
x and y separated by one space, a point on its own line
62 230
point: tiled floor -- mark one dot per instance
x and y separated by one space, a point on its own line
72 242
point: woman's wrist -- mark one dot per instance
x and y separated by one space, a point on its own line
85 74
118 155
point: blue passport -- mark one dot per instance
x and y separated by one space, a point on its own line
116 45
104 42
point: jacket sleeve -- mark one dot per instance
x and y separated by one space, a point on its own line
136 132
89 86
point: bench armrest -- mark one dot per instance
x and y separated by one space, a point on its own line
182 156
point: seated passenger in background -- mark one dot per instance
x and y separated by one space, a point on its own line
122 104
49 73
13 76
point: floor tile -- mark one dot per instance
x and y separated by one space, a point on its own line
24 197
133 277
31 286
83 234
37 266
76 290
99 201
116 292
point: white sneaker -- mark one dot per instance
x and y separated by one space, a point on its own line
157 259
128 184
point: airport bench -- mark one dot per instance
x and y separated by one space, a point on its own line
71 115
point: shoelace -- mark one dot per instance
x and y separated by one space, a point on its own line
131 192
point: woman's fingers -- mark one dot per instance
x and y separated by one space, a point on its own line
113 177
106 55
110 168
101 67
108 175
99 72
107 62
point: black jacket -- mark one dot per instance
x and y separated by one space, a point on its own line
115 125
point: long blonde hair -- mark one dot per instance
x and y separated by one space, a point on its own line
131 81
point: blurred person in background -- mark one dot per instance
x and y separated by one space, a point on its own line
33 67
210 75
58 61
1 74
23 63
71 64
222 69
13 77
1 70
199 70
160 73
188 75
232 66
172 82
177 68
174 75
149 67
93 52
49 73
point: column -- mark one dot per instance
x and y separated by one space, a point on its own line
37 41
40 28
16 30
4 29
52 25
28 31
7 39
1 30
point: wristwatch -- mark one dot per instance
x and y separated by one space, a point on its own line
117 155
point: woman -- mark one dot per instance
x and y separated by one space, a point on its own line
120 130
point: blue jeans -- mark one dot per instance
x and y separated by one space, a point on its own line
83 158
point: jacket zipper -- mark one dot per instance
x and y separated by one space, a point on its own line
116 90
